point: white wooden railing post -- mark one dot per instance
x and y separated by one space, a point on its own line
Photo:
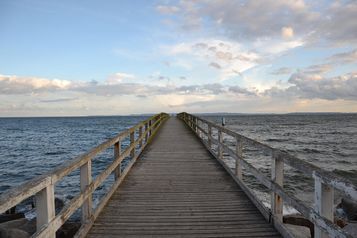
132 141
209 135
117 152
45 208
324 202
199 132
277 176
239 153
220 142
85 180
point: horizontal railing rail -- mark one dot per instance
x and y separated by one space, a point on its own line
322 214
43 187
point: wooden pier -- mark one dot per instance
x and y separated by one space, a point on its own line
177 184
178 190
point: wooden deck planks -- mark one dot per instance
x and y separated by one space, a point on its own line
177 189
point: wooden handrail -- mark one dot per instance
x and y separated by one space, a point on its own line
43 186
325 182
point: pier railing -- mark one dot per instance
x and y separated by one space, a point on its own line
322 214
43 187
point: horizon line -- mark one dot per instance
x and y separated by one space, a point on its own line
197 113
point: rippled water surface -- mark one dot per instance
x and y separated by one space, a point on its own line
32 146
326 140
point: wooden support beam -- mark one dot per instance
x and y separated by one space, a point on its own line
85 180
150 128
239 152
117 152
209 136
198 131
146 133
45 208
220 142
140 134
132 141
277 176
324 203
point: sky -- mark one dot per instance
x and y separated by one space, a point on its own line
79 58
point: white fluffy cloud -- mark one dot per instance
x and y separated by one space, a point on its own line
33 96
229 57
118 78
11 84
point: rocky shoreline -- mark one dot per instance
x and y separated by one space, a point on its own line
14 224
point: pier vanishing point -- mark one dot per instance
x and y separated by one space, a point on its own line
175 182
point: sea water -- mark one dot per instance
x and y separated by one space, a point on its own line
33 146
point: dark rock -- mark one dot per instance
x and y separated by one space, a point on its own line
18 228
298 231
340 222
13 233
68 230
299 220
11 217
350 208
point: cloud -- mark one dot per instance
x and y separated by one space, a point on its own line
58 100
248 19
241 91
11 84
276 47
346 57
118 78
215 65
282 70
16 95
287 33
330 23
338 26
181 48
227 56
200 104
318 68
317 87
167 9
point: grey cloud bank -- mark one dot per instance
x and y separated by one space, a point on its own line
332 24
317 87
302 85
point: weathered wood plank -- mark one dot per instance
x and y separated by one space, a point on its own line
168 192
322 222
